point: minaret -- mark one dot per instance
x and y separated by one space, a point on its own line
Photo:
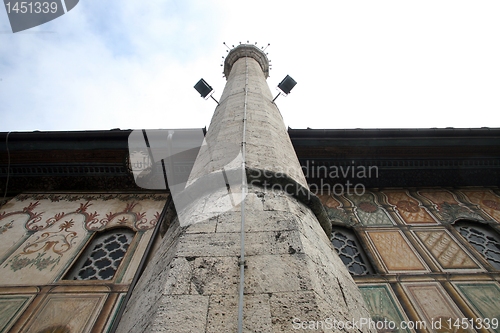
250 249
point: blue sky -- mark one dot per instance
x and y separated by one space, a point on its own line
359 64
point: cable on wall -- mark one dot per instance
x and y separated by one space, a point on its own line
243 195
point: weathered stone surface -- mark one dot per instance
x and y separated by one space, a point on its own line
259 220
214 245
277 273
296 267
181 314
141 309
215 275
273 201
223 314
287 306
208 225
275 242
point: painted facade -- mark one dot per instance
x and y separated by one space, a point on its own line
43 236
424 269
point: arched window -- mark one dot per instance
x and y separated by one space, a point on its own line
102 256
484 239
350 251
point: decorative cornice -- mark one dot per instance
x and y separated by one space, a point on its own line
69 183
246 50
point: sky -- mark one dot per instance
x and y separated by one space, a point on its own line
132 64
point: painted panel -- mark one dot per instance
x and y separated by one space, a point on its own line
14 215
138 211
448 206
53 229
488 201
11 307
382 304
328 201
395 251
368 211
76 313
483 297
334 209
433 305
408 208
44 254
446 250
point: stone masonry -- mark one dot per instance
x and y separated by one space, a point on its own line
292 273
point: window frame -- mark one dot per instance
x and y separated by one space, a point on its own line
350 234
78 262
487 230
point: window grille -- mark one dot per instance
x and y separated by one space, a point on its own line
102 256
483 239
350 251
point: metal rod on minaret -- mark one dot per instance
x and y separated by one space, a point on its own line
216 101
243 195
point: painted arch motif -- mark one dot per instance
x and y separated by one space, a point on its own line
14 216
335 210
368 210
39 238
487 200
410 210
448 206
43 254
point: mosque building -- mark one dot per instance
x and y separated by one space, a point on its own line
249 226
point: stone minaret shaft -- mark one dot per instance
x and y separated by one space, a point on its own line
291 273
